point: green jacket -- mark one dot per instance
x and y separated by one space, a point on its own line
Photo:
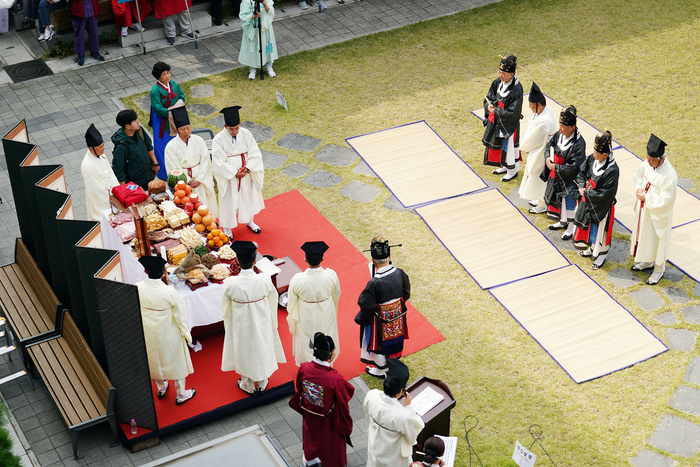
131 162
158 98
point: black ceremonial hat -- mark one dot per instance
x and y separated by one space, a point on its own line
568 116
508 63
180 116
231 117
379 248
323 344
603 142
655 147
93 137
245 251
536 95
398 374
314 251
154 265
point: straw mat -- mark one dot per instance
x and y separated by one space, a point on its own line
578 324
416 164
685 249
490 238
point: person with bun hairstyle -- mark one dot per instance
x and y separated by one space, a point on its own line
433 450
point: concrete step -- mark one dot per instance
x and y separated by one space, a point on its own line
154 28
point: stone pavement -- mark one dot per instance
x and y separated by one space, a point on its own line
59 108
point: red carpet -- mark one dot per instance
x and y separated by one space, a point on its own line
288 221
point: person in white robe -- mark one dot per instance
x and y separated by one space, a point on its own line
189 153
98 176
394 424
164 315
252 345
534 141
238 168
655 184
313 303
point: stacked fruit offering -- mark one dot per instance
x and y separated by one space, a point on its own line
203 221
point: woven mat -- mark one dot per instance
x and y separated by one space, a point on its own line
578 324
686 209
490 238
685 249
415 164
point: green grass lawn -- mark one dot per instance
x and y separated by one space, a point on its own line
629 67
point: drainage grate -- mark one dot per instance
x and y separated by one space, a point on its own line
28 70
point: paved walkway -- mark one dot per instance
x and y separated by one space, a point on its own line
59 108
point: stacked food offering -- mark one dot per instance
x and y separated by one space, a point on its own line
183 231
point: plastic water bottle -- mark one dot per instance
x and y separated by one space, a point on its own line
134 429
174 281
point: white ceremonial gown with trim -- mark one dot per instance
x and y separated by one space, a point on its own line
99 180
534 141
193 159
312 308
242 198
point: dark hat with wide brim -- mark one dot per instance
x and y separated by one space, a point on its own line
655 147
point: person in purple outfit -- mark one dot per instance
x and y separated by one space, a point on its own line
84 14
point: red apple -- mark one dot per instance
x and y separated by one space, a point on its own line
189 206
194 198
189 213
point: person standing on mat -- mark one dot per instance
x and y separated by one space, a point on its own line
164 316
394 424
252 345
596 184
238 168
568 151
540 130
322 399
655 184
313 303
382 315
502 111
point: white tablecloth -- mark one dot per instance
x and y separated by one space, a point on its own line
203 304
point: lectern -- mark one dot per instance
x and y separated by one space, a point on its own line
437 419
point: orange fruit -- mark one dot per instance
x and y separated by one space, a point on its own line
220 244
180 185
196 218
203 210
224 238
207 220
216 232
180 193
177 200
188 189
210 243
200 228
210 236
211 227
185 199
215 238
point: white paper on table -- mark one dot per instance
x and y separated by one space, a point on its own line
426 400
266 266
450 450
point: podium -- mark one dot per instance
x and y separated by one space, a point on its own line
437 419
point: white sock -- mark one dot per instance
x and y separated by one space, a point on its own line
570 229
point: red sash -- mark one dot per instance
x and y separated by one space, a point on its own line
495 155
189 170
242 166
639 221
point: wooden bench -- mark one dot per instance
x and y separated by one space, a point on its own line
74 378
62 22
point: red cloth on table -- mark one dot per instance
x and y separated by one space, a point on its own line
129 193
165 8
126 14
323 391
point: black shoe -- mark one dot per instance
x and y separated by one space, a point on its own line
180 401
558 226
367 370
566 236
161 393
512 177
26 25
240 386
97 56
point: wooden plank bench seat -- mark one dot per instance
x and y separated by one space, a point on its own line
56 348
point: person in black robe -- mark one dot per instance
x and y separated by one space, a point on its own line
568 151
596 189
503 111
382 315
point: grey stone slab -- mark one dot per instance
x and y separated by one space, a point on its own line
296 170
647 299
337 156
619 251
676 295
686 184
393 204
360 191
363 169
261 133
203 90
696 290
144 103
515 198
692 374
667 317
673 274
623 278
676 436
322 179
691 314
202 110
298 142
686 399
217 122
681 339
647 458
554 236
272 160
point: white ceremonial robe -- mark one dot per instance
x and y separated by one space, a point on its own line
656 219
390 448
194 157
313 307
99 180
245 200
252 345
164 315
538 133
